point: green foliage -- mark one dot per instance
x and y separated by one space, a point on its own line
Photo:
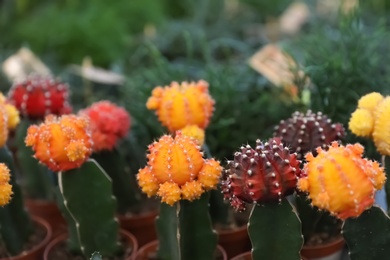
275 232
15 223
88 197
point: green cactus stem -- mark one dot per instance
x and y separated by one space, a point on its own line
368 236
15 224
37 181
275 232
124 184
186 230
87 194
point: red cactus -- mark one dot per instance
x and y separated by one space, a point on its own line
38 96
264 174
303 133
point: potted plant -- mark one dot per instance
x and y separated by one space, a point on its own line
181 177
64 145
23 236
303 133
35 97
194 99
110 124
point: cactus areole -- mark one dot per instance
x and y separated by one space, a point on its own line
266 173
38 96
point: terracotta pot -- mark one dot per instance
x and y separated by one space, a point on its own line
328 251
248 256
234 241
49 211
130 240
142 226
150 248
35 253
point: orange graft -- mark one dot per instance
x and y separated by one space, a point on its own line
179 105
61 143
176 170
341 181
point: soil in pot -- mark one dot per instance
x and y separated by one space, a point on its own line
36 243
58 250
149 252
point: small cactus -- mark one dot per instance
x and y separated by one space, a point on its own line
341 181
266 173
195 132
305 132
38 96
61 143
179 105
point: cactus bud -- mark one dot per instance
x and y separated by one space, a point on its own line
266 173
3 125
5 186
304 132
194 132
341 181
61 143
108 123
176 170
38 96
179 105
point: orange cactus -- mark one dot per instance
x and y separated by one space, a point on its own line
179 105
341 181
176 170
62 143
5 187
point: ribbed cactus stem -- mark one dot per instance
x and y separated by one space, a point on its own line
275 232
368 236
88 197
15 224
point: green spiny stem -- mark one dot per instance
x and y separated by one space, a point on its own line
167 229
368 236
197 238
15 224
37 181
124 183
275 232
87 193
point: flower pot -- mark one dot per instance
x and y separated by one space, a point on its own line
131 241
142 226
328 251
49 211
36 252
234 241
248 256
149 249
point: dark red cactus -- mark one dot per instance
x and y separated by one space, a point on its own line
303 133
38 96
264 174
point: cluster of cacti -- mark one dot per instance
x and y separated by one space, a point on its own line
304 132
38 96
176 170
108 124
371 119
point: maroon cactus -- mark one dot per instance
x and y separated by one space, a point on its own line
303 133
267 173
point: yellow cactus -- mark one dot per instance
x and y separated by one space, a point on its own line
3 125
12 112
361 122
179 105
341 181
370 101
5 187
381 133
194 132
176 170
61 143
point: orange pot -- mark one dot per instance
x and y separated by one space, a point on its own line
234 241
130 240
35 253
323 250
150 248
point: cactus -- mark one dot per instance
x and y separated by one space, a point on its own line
177 172
368 236
15 223
38 96
265 175
96 256
180 105
93 209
